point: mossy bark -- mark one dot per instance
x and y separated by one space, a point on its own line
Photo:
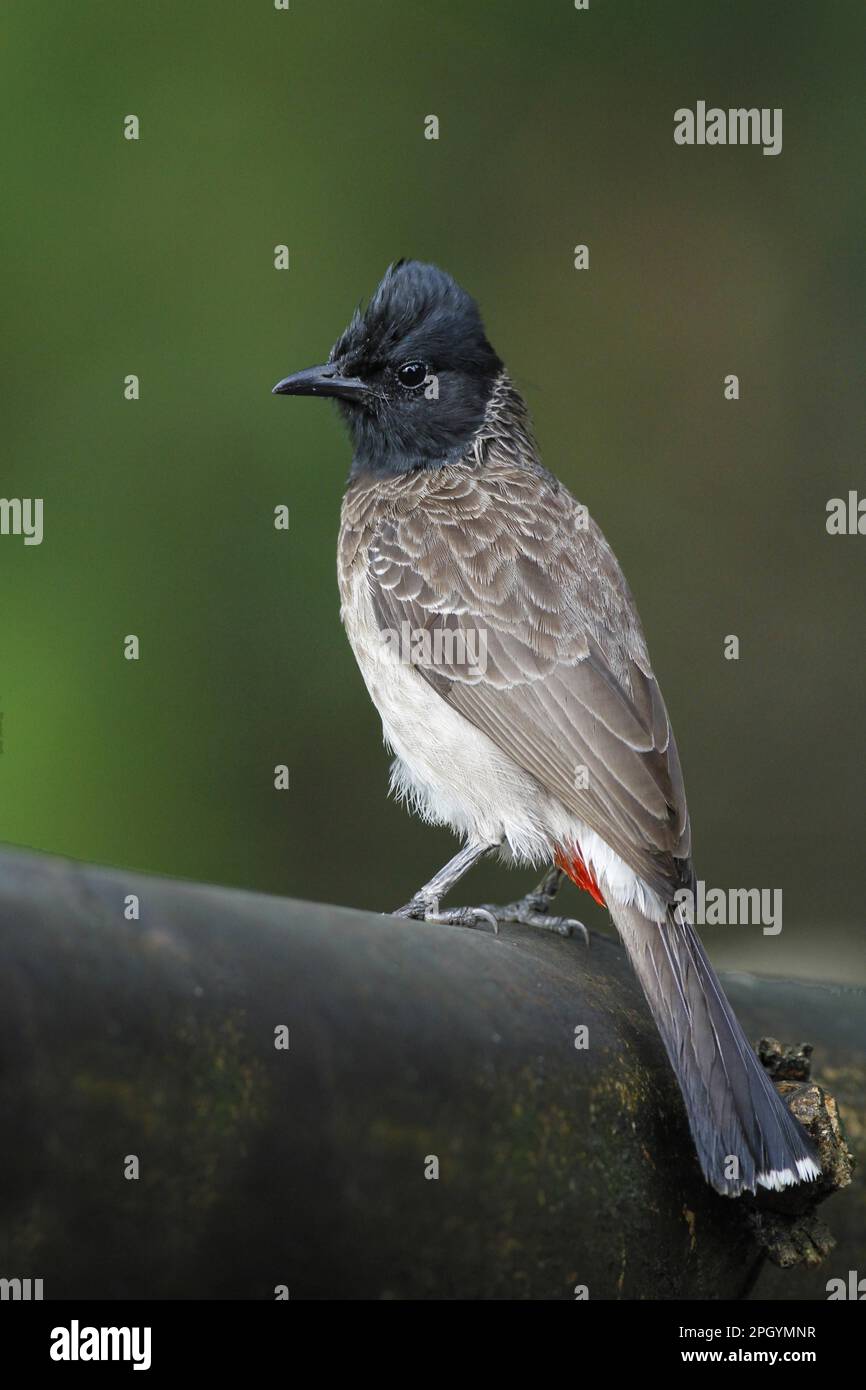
414 1050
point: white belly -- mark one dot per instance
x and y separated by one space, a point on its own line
453 774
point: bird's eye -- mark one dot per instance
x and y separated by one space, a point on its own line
412 374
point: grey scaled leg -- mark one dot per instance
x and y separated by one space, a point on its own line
424 907
534 909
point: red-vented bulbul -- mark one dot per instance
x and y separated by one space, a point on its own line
502 647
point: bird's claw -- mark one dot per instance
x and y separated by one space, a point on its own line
465 917
531 911
427 910
526 913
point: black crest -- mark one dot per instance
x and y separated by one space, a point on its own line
418 318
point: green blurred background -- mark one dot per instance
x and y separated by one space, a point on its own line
305 127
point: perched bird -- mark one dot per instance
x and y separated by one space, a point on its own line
502 647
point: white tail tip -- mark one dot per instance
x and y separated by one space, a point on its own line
777 1178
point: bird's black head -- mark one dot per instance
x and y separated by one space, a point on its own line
412 374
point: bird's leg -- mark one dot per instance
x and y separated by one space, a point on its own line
424 907
531 911
534 909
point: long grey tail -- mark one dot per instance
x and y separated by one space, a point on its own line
744 1133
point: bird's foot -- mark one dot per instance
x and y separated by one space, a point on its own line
531 911
534 911
427 909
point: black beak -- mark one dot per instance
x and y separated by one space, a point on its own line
321 381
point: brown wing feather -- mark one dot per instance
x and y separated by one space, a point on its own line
504 555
